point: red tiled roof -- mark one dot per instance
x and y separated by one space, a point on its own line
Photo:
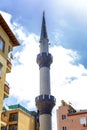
8 31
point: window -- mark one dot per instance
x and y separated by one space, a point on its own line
13 117
63 117
64 128
1 44
83 120
14 127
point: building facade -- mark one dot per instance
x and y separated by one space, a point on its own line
19 118
70 119
7 42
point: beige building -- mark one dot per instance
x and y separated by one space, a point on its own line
7 42
19 118
70 119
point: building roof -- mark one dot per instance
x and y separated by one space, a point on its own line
78 113
18 106
8 31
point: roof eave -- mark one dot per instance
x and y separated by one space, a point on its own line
9 32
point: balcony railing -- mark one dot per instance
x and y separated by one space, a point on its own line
4 117
9 65
6 89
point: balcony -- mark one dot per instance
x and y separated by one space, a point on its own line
9 65
45 103
13 117
6 89
13 127
4 119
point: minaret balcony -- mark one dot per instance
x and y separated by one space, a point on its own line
4 119
44 59
45 103
6 89
9 65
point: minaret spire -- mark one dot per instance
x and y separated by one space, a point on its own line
43 29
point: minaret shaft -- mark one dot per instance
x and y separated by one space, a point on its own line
45 122
45 101
44 81
44 46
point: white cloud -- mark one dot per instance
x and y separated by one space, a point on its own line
24 78
62 74
7 17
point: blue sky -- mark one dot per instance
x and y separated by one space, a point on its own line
67 18
66 22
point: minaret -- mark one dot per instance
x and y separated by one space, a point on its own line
45 101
